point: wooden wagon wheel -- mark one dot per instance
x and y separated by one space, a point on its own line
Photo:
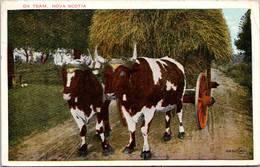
201 100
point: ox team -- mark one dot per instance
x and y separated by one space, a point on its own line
142 87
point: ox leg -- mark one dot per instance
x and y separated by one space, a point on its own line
105 113
167 134
83 151
181 134
107 149
148 116
131 127
80 119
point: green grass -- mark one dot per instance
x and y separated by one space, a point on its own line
37 107
241 73
40 73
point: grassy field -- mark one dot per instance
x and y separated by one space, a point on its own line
241 73
39 106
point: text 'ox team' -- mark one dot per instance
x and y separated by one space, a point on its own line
142 87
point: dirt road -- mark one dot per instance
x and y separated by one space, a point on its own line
228 134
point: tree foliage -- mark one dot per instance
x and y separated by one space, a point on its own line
47 30
243 43
244 36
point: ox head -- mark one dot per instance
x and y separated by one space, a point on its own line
73 75
74 71
117 77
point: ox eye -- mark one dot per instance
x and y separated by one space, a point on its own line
122 73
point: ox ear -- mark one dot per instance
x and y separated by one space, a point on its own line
134 58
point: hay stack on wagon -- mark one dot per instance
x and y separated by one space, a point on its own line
192 37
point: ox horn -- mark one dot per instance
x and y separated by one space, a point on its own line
89 54
98 58
96 52
89 59
134 58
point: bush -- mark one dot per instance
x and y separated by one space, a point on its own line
45 74
241 73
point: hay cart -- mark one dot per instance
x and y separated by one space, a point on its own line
200 96
192 37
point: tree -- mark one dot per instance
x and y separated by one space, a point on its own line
244 36
244 43
47 30
76 29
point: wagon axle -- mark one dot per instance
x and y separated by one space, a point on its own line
207 100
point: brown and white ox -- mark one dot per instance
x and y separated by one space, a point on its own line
85 97
144 87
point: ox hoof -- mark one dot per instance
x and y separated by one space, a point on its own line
181 135
146 155
166 136
107 133
128 150
83 151
108 151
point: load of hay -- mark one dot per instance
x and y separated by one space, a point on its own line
193 37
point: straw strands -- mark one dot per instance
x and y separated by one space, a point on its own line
191 36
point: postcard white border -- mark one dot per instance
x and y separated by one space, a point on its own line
131 4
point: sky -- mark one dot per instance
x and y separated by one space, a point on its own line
233 17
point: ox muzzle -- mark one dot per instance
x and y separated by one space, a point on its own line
66 96
110 96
